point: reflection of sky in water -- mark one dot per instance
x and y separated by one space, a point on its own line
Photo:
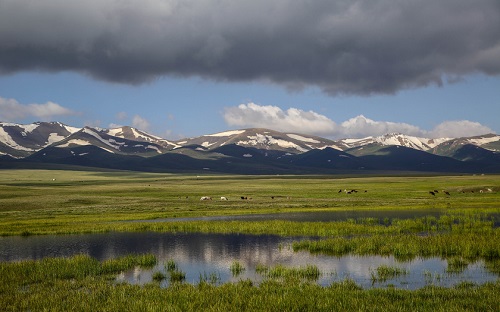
213 254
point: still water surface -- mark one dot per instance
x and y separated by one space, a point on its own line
212 255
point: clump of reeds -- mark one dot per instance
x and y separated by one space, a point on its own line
158 276
236 268
309 272
177 276
128 262
384 272
170 266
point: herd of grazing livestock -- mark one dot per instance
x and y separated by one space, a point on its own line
434 192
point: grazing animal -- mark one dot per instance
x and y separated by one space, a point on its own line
447 193
340 191
272 197
223 198
432 193
436 191
206 198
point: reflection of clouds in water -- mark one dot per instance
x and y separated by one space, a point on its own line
206 254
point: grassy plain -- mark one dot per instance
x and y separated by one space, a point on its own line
58 202
38 202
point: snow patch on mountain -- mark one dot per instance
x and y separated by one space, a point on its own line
53 138
28 128
226 133
301 138
70 129
7 140
154 148
396 139
484 140
98 137
207 144
117 132
269 140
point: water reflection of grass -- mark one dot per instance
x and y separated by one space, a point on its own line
457 265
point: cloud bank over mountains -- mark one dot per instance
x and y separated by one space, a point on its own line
343 46
252 115
11 109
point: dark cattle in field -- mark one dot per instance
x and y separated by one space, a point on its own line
447 193
432 193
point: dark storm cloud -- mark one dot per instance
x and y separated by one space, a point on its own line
343 46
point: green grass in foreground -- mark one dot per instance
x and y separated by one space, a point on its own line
81 283
64 202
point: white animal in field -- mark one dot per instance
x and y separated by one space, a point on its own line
206 198
223 198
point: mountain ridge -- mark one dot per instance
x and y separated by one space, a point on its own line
264 150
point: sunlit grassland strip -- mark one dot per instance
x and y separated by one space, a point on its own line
454 223
48 202
81 283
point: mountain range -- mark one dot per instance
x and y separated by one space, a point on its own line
245 151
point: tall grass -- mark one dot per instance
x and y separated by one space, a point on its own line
309 272
384 272
84 287
471 246
236 268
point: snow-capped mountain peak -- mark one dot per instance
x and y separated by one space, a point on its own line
397 139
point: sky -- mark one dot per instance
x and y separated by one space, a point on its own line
185 68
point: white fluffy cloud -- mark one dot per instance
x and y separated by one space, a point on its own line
253 115
299 121
12 110
458 128
360 126
140 123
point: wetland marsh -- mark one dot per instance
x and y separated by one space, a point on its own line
431 251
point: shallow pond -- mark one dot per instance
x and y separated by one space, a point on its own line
209 257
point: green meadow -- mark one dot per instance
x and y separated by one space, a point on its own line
41 202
